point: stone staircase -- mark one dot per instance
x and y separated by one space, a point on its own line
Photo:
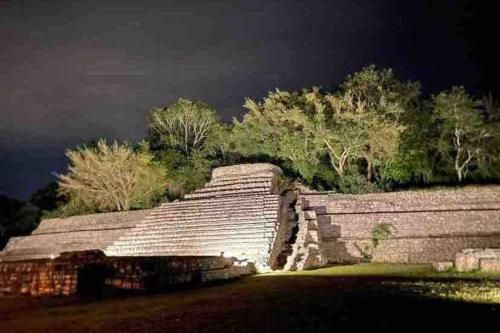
236 214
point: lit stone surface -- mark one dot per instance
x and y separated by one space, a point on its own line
236 214
442 266
76 233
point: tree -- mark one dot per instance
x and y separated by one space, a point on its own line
465 139
185 124
283 126
341 134
113 177
47 198
16 218
376 102
188 141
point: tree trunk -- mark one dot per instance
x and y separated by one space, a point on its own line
369 172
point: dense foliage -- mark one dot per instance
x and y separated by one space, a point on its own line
112 177
373 133
16 218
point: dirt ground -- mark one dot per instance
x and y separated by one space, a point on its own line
316 301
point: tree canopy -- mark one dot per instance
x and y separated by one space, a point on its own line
112 177
373 133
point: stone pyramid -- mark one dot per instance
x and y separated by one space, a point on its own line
237 214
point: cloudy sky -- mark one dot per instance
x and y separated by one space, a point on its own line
74 71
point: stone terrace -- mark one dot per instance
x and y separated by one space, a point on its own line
76 233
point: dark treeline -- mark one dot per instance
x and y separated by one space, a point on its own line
373 133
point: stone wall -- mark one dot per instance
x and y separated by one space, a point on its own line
91 272
37 278
426 226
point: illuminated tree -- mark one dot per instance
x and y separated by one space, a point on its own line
184 124
283 126
112 177
465 139
375 102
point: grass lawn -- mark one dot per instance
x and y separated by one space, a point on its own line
368 296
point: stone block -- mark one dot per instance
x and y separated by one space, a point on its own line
442 266
489 264
466 261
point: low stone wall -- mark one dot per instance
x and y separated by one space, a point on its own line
91 272
425 226
37 278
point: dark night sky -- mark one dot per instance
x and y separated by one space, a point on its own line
70 73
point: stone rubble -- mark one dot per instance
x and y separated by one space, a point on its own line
487 260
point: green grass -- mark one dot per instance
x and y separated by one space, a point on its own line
389 270
366 295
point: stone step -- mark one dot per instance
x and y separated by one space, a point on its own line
206 238
216 202
253 191
195 228
164 229
236 252
183 250
227 229
181 243
241 183
229 187
229 211
256 197
215 211
192 239
187 250
168 230
197 219
244 177
47 240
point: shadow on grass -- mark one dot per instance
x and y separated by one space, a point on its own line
300 302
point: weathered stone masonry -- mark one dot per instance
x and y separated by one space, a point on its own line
76 233
427 226
240 213
91 272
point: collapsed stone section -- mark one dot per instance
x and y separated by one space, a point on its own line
307 251
236 214
76 233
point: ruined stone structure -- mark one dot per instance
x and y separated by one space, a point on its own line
426 226
76 233
248 216
92 273
240 213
